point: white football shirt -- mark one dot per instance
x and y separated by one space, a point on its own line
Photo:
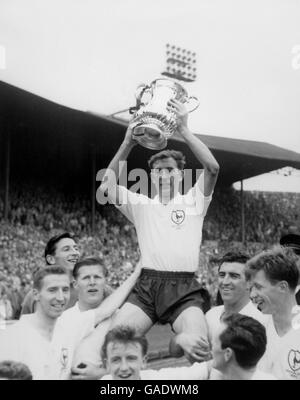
282 357
169 235
46 359
213 317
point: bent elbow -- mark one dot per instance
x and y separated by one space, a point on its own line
214 169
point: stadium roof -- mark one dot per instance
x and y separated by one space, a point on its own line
239 159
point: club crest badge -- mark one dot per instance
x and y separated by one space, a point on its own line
294 360
178 216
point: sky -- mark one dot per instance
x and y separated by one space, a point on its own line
92 54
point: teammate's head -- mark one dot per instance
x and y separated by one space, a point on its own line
274 276
167 171
12 370
240 342
233 286
51 289
89 279
62 250
124 353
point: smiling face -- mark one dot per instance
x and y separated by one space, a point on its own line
166 177
265 294
125 360
232 282
66 254
90 282
53 296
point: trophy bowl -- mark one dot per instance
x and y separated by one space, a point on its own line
153 123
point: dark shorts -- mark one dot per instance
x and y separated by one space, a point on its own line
164 295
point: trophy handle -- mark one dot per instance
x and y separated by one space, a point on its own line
197 103
139 93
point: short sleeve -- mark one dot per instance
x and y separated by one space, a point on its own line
131 203
128 200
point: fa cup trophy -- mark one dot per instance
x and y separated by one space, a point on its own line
153 124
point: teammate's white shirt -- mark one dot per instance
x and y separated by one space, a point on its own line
89 351
169 235
197 371
213 317
282 357
47 360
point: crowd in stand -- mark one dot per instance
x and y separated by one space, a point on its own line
37 214
267 215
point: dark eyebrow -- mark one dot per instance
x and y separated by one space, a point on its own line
57 287
93 274
52 287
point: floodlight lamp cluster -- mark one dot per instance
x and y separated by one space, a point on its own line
180 63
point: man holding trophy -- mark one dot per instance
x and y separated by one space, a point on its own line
169 226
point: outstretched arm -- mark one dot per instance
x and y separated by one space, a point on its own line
117 298
201 151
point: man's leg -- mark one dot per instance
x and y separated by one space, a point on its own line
134 316
191 335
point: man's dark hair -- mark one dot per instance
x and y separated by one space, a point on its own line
246 337
15 371
292 241
234 257
123 334
88 261
176 155
278 264
51 245
41 273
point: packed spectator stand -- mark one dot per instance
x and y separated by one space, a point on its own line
37 214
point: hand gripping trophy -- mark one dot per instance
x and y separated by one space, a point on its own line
153 123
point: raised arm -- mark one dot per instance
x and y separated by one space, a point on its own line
117 298
201 151
109 183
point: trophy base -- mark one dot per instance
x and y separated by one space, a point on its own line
149 136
